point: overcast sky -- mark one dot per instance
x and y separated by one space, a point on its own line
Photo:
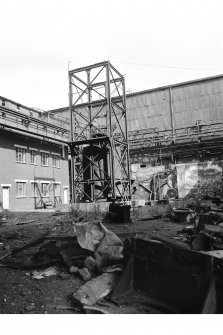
153 43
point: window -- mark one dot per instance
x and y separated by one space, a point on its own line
44 158
45 189
34 189
33 157
56 161
20 155
57 190
20 189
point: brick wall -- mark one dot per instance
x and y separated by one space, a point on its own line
12 171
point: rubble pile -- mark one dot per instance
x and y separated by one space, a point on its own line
93 253
205 230
133 272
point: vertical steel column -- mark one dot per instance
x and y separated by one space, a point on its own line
72 165
126 135
110 130
90 125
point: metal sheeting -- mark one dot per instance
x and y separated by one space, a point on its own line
149 110
201 100
191 101
198 101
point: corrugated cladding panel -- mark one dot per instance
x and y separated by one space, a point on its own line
198 101
149 110
192 101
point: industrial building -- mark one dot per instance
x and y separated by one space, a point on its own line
175 138
173 149
34 158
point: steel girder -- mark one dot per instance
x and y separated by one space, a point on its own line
100 167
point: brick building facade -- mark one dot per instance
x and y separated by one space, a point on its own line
34 170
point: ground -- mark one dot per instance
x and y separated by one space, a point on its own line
20 293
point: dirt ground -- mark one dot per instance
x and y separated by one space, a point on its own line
21 294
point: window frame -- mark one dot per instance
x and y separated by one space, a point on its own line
34 193
45 155
56 160
32 151
57 185
24 189
48 192
18 151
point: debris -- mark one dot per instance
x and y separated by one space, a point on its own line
125 285
64 276
181 214
52 271
108 308
188 229
201 242
24 222
214 253
170 241
28 245
59 213
85 274
214 229
206 218
150 218
96 289
113 268
90 263
96 237
74 269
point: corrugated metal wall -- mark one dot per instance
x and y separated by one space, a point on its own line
193 101
149 110
198 101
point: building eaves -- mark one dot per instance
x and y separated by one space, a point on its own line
194 81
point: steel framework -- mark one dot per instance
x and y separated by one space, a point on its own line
100 166
202 138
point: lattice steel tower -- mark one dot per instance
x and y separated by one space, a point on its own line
99 139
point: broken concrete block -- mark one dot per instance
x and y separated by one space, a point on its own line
90 263
96 289
74 269
85 274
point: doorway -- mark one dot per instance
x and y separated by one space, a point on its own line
5 197
65 195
